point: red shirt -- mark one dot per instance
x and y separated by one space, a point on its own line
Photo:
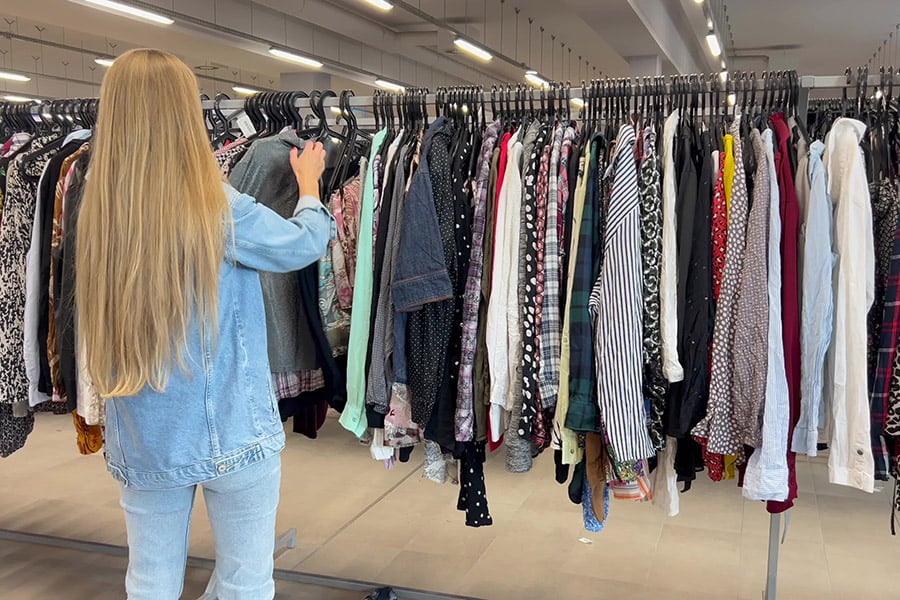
790 296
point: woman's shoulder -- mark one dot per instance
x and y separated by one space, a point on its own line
240 202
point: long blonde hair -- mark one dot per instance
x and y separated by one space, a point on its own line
151 228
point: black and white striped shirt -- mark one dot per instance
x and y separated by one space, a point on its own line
616 307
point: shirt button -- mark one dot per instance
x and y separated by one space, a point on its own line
222 468
859 452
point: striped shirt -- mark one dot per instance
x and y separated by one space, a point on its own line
616 306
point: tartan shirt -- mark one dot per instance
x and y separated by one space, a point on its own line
294 383
570 139
551 323
884 368
465 417
582 413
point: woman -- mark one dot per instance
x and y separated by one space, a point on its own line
171 324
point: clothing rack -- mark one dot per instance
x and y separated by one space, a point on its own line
777 533
233 109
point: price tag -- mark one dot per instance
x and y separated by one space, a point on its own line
246 125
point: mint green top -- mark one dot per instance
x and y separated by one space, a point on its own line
354 416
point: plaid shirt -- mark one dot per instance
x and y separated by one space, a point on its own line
582 413
551 324
292 384
565 244
471 299
884 368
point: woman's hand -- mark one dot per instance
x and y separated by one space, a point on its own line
308 167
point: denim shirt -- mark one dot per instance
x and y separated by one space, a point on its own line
219 415
817 311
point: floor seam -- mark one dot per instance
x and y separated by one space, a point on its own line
367 508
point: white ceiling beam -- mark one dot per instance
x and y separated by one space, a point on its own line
666 22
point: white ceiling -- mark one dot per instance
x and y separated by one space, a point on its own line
358 42
817 37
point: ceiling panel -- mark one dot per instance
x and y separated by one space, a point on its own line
818 37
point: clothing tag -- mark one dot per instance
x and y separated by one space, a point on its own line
246 125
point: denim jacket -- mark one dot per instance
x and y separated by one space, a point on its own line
420 275
219 415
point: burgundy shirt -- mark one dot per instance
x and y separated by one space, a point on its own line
790 296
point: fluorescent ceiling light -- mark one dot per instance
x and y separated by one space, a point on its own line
380 4
104 62
13 76
390 86
13 98
131 11
578 102
536 80
698 1
470 48
712 40
244 90
295 58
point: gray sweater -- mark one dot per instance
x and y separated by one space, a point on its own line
265 173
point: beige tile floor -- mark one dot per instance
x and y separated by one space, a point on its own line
38 572
357 520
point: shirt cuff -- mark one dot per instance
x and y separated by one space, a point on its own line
309 202
312 203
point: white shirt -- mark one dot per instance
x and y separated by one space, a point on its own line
850 461
496 338
512 180
668 283
767 471
665 479
90 406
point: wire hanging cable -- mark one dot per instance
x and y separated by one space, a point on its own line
552 56
530 23
542 49
502 2
484 26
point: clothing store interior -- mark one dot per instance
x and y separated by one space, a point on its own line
610 306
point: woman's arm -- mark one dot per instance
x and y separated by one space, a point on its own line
265 241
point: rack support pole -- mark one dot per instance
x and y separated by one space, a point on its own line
771 592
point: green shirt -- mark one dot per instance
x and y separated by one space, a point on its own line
354 416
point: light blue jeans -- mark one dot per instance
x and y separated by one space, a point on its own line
242 508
